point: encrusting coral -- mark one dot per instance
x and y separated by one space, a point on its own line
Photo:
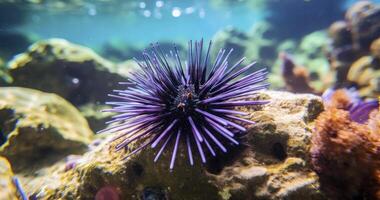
353 54
354 50
345 153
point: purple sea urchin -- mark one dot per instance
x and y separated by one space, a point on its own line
192 103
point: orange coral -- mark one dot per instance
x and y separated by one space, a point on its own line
345 155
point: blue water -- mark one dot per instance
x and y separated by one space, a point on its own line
142 22
154 21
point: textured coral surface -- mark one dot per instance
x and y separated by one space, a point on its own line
345 154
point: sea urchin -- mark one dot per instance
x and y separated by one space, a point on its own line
190 103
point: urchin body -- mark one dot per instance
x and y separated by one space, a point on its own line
168 103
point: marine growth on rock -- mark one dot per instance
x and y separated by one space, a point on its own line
191 103
345 147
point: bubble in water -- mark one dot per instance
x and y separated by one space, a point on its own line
142 5
176 12
202 13
147 13
75 81
159 4
189 10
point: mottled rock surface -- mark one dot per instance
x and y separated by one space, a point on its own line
8 191
72 71
272 163
39 128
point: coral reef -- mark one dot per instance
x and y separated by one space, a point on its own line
63 68
354 49
74 72
348 58
272 164
341 148
39 128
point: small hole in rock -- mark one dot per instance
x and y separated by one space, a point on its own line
278 151
215 166
138 169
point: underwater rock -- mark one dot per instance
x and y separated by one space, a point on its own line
4 76
95 118
272 163
8 190
74 72
39 128
364 22
354 48
342 148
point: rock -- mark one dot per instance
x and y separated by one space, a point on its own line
96 119
4 76
74 72
38 128
8 189
273 163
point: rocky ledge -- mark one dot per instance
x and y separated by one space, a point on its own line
272 163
